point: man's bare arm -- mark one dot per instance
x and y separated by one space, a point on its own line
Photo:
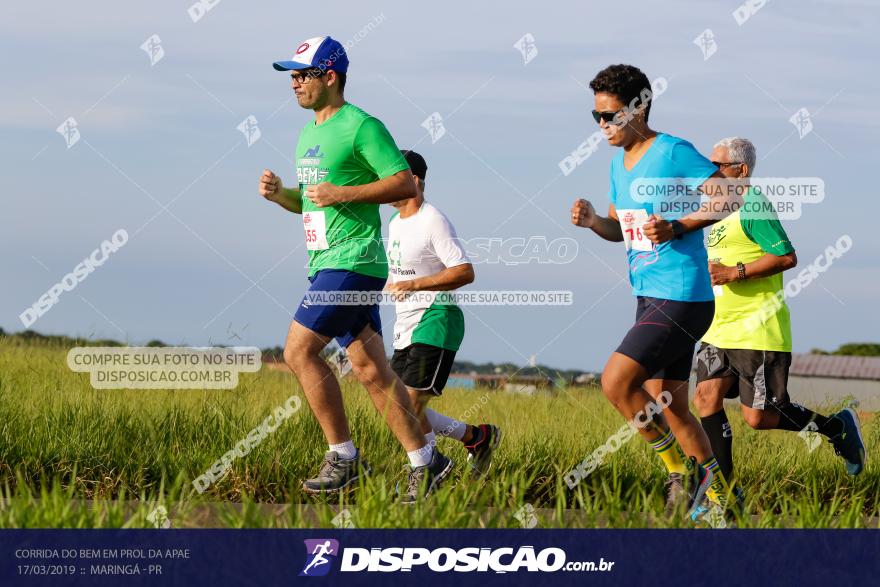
446 280
764 266
583 214
393 188
273 190
724 196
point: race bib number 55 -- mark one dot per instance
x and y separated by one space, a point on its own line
316 230
631 222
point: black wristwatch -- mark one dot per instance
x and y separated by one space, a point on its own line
677 229
741 270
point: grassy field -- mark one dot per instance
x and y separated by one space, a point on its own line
71 456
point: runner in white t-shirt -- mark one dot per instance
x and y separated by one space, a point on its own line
425 262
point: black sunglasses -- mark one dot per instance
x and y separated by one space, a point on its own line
721 165
606 116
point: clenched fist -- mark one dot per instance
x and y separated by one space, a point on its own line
658 230
583 214
722 274
324 194
270 185
399 290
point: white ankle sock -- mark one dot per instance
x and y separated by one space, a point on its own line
421 457
346 450
431 438
446 426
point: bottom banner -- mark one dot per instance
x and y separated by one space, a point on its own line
439 557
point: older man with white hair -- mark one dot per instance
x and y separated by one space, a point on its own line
746 353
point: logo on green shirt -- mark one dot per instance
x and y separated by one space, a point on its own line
716 235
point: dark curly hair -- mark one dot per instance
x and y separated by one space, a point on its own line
627 82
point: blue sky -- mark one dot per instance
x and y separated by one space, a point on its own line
151 135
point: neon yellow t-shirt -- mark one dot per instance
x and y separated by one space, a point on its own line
750 314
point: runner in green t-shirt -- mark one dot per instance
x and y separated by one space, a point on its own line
347 164
746 353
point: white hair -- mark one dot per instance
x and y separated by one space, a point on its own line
740 150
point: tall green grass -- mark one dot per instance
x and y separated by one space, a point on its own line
72 456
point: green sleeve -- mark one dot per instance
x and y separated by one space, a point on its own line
374 146
767 233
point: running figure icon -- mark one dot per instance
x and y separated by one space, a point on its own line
320 550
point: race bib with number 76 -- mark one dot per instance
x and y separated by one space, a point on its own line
316 230
631 222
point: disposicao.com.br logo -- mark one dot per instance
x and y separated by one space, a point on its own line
443 559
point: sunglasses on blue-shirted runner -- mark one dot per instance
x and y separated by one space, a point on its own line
606 116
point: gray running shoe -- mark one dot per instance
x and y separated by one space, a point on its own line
336 474
425 479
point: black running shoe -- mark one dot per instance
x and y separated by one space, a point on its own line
849 444
424 480
336 474
486 439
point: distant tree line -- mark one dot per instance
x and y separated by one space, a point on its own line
511 369
853 349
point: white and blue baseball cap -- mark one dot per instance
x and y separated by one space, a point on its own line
321 52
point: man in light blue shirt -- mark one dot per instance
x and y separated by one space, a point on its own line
668 271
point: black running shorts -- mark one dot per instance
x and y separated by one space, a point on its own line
761 377
423 367
665 335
